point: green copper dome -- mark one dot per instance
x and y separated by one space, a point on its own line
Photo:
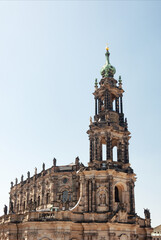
107 70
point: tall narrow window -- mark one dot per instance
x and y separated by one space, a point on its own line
17 206
103 152
24 205
117 199
38 201
47 198
114 105
115 153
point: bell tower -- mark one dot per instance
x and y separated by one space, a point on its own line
108 132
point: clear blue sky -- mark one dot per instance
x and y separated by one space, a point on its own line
50 54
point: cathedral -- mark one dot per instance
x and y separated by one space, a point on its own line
77 202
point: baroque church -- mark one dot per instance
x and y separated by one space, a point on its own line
77 202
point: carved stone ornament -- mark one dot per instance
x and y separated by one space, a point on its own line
32 234
102 196
45 238
123 237
134 237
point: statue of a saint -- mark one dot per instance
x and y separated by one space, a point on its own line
11 206
34 205
77 161
16 181
54 162
43 167
102 198
5 210
147 213
22 178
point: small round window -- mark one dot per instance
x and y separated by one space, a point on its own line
65 180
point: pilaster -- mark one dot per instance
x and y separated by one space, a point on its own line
108 148
110 182
126 151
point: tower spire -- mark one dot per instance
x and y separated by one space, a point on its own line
107 70
109 129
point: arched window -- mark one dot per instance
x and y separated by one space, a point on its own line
47 198
103 152
115 153
114 105
117 198
17 206
38 201
24 205
118 194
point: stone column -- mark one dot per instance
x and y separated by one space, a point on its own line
106 99
54 189
109 101
121 104
35 191
128 196
126 151
110 180
91 149
42 193
119 152
99 151
27 197
21 201
74 191
99 105
90 195
94 195
117 104
96 148
95 106
82 189
108 148
52 192
86 195
132 200
121 115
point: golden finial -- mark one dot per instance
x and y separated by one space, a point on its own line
107 48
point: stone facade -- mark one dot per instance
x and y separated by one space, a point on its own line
156 234
57 188
75 202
